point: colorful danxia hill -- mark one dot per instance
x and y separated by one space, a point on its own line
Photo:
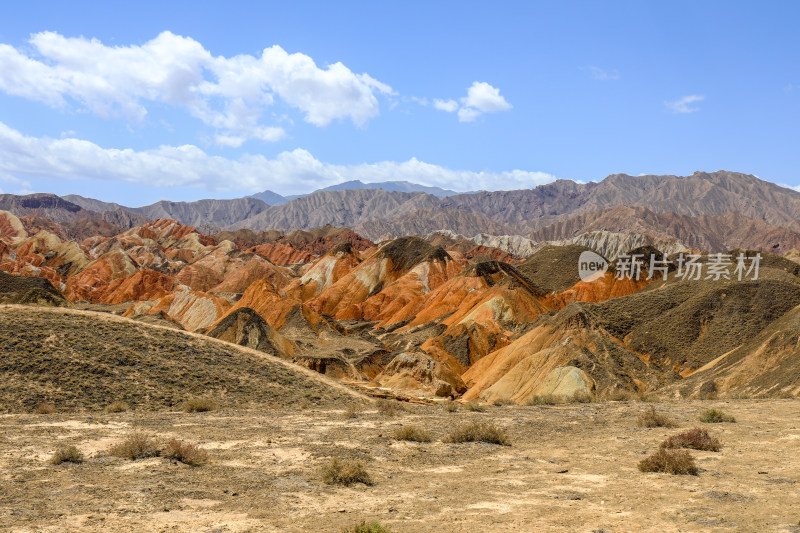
439 315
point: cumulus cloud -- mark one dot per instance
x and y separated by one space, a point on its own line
446 105
682 105
295 171
227 93
481 98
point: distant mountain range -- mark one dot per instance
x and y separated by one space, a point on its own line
713 211
273 198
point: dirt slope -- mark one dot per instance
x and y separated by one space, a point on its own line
49 358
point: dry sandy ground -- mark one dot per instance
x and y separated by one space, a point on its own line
569 468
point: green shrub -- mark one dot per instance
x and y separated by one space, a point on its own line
715 416
364 527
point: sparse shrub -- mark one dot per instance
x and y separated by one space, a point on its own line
365 527
500 402
450 406
199 405
351 412
412 433
620 395
185 452
715 416
653 419
479 432
696 439
117 407
44 409
345 472
474 406
67 454
389 407
581 397
543 399
678 462
137 446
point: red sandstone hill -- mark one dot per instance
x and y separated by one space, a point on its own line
440 316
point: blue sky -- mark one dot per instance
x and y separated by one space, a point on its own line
144 101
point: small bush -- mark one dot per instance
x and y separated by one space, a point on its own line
67 454
543 399
696 439
715 416
185 452
479 432
199 405
44 409
345 472
412 433
474 406
653 419
364 527
677 462
137 446
450 406
117 407
389 407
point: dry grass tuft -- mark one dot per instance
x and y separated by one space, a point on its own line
474 406
543 399
367 527
479 432
696 439
345 472
67 454
389 407
413 434
185 452
450 406
677 462
715 416
653 419
351 412
117 407
137 446
199 405
44 409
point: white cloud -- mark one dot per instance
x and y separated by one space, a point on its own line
450 106
228 94
481 98
682 105
603 75
174 166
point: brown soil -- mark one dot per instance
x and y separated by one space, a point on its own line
85 360
568 468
